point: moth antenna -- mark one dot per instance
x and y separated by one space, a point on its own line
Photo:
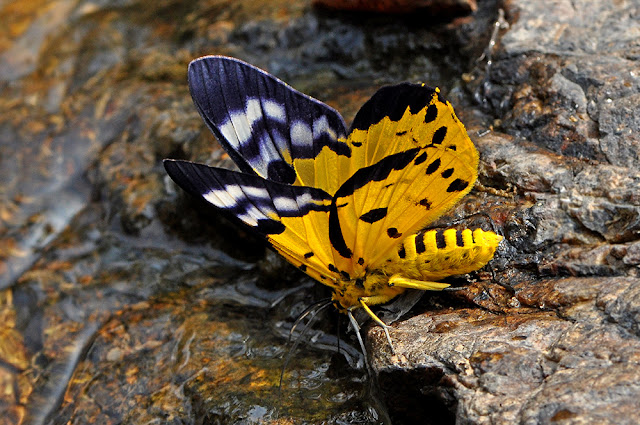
338 330
289 292
304 314
487 56
484 214
315 309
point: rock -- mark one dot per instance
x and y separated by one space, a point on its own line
126 301
561 349
555 48
536 365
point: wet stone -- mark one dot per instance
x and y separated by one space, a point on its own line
166 354
492 368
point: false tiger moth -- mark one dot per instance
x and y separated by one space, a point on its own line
345 207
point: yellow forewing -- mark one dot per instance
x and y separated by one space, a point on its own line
329 170
401 193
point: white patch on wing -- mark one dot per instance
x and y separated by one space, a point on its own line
301 134
251 216
253 110
241 126
235 191
275 111
283 204
304 199
268 211
321 125
220 198
229 132
256 192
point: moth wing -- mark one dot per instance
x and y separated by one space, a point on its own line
294 219
263 123
412 161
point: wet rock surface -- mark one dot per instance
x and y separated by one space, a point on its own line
562 347
125 301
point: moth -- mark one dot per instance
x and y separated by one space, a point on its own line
347 207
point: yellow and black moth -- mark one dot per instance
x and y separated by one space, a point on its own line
346 207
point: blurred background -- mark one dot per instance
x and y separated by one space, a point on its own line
123 300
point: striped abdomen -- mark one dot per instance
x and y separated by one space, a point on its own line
435 254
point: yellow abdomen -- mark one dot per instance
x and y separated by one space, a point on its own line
435 254
420 261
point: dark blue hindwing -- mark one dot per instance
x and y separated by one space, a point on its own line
259 203
262 122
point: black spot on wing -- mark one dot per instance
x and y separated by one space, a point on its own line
392 102
439 135
303 267
270 227
401 133
433 167
356 144
345 275
308 255
420 159
425 203
281 171
332 268
457 185
402 253
432 114
374 215
447 173
392 232
338 147
375 172
361 261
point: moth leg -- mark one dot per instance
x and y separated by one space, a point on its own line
373 300
356 328
423 285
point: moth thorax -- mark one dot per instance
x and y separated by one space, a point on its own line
373 287
349 293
